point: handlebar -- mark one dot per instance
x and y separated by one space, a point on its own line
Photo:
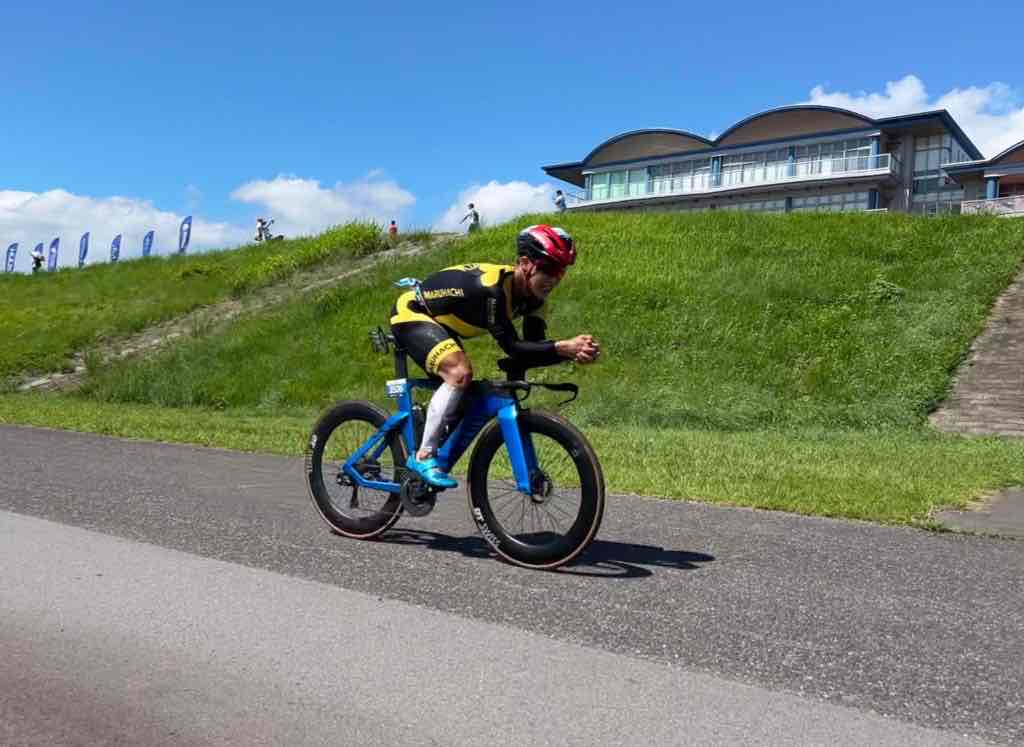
526 386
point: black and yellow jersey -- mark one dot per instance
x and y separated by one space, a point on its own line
474 299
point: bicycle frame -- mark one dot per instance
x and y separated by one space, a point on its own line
485 403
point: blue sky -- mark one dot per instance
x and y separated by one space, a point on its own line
318 111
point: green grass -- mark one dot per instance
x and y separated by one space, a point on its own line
725 322
893 476
783 362
45 318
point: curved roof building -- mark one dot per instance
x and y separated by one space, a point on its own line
793 158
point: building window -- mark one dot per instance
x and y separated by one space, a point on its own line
757 206
933 151
836 203
932 191
617 188
751 168
661 179
637 180
679 177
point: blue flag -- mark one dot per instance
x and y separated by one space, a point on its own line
115 248
147 244
51 261
83 248
12 252
184 234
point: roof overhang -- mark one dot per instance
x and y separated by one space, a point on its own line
1006 163
940 118
567 172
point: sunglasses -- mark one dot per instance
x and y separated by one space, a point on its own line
550 269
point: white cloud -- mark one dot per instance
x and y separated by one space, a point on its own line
302 206
30 218
990 115
497 203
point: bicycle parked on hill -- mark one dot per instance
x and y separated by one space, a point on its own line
535 486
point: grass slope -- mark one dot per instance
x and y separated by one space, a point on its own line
775 361
717 321
45 318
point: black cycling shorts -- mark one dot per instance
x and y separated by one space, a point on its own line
427 341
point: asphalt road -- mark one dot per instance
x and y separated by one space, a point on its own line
179 595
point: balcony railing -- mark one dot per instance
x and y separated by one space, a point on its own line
735 176
996 206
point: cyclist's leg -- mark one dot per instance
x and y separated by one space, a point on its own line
456 370
437 351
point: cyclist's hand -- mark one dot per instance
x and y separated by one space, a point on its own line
584 349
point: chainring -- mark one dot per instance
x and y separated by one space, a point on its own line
418 498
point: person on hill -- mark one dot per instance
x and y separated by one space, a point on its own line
37 260
393 232
474 218
469 300
263 229
559 201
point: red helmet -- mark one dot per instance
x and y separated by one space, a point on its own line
547 243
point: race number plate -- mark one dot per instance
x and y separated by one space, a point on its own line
396 388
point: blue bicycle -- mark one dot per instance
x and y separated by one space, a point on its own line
536 490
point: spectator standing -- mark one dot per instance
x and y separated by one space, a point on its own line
559 201
474 218
37 260
393 232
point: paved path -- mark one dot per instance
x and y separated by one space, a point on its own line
988 389
711 624
1001 515
108 641
987 399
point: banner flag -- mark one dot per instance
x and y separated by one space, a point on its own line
115 248
83 248
184 234
12 252
147 244
51 260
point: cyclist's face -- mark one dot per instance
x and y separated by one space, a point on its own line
545 276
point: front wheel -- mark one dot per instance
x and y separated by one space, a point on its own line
554 524
347 508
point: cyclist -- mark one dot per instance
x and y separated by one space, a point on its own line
470 300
